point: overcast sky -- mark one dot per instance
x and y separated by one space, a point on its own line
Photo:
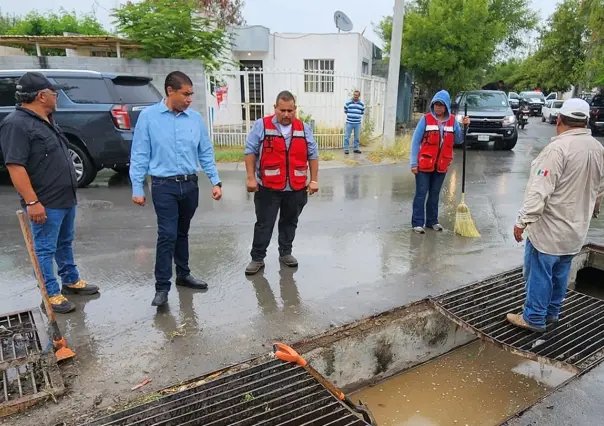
278 15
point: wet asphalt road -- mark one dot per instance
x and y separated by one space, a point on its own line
356 252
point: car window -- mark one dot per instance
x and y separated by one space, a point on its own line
135 91
86 90
537 95
597 101
558 104
8 87
485 100
514 95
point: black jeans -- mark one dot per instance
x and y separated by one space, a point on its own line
175 204
268 203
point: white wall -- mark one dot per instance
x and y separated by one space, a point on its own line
284 66
11 51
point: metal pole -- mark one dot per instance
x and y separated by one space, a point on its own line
393 72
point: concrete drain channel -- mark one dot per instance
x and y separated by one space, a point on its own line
29 373
427 341
575 344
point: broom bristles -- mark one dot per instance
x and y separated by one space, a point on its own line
464 225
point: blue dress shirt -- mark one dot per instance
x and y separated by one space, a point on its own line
167 144
256 136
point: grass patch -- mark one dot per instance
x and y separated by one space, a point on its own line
228 155
235 155
326 156
352 162
398 152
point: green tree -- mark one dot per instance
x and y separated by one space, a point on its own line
49 24
172 29
593 12
448 43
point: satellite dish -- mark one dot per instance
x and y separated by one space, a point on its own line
343 22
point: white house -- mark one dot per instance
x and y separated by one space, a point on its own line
321 70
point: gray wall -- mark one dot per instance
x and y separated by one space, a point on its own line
156 68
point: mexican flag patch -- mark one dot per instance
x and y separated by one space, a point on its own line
543 172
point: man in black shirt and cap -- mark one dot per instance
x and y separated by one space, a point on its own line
36 154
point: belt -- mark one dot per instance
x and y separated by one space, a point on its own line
178 178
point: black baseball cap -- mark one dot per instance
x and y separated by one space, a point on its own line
32 82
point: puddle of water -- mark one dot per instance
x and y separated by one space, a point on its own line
478 384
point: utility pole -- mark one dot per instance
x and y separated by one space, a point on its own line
393 72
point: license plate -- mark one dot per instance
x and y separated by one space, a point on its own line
483 138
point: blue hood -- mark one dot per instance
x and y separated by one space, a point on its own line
444 97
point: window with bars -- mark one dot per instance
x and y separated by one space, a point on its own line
318 75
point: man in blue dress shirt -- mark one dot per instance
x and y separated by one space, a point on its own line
170 141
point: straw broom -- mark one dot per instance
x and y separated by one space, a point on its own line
464 225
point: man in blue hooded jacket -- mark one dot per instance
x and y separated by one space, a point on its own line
431 155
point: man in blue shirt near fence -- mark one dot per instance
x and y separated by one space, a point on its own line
170 140
354 110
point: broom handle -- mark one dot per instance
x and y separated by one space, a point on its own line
29 243
463 170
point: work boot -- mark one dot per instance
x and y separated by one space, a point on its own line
518 321
191 282
437 227
289 260
161 298
419 229
552 320
59 304
80 287
254 266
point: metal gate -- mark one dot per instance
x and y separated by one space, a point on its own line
269 394
237 98
575 343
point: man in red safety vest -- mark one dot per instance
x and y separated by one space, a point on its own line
279 151
431 156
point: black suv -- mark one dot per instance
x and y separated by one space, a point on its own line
97 112
491 118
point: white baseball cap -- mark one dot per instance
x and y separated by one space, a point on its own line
575 108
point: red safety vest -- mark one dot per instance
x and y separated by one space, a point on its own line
432 155
278 164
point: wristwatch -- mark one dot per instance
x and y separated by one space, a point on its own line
32 203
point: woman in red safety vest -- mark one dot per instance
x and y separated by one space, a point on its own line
431 156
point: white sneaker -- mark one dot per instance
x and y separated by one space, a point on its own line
437 227
419 229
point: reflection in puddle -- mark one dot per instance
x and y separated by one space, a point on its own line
477 384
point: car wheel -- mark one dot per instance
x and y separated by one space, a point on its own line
542 118
84 167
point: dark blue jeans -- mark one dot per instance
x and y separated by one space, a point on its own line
175 204
427 185
546 281
53 241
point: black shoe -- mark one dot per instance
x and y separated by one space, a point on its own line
357 151
191 282
161 298
346 152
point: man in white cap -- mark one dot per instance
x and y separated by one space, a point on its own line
559 201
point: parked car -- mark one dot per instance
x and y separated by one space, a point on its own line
97 112
535 100
492 118
514 100
551 110
596 115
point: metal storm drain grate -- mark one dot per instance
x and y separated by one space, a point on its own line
576 343
28 374
271 393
